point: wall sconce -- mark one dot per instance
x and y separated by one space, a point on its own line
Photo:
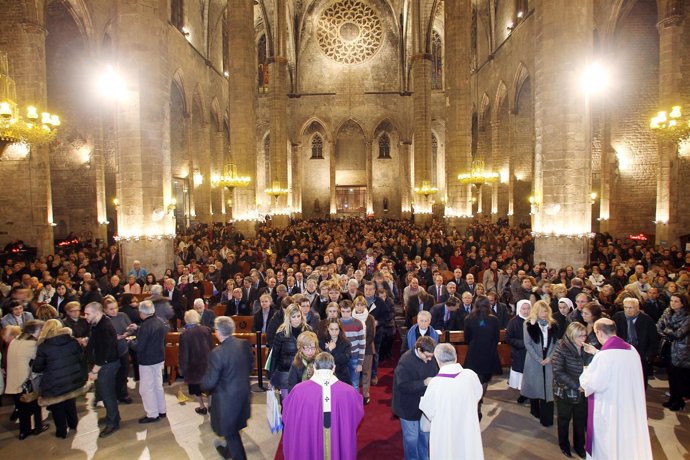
172 206
510 26
116 203
593 197
198 178
535 205
185 31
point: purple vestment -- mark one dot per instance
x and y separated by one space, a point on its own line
303 420
614 343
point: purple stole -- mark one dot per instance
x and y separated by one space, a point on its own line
614 343
450 376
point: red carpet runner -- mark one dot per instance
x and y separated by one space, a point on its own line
379 435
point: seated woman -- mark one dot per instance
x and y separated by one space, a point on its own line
132 287
302 366
149 283
335 343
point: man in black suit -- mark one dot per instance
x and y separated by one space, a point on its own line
292 287
447 316
575 288
500 310
262 318
227 381
236 305
438 291
460 283
249 292
655 304
424 274
174 297
639 330
470 285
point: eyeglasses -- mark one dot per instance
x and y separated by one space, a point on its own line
309 347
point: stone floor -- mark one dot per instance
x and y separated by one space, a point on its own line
509 432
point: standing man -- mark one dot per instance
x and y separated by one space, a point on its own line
413 373
321 416
102 348
613 382
639 330
450 403
227 382
150 349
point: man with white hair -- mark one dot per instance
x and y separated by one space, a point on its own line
450 403
149 346
227 383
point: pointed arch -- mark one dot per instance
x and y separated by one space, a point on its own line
314 124
501 93
484 106
215 115
350 122
521 75
178 82
198 99
316 146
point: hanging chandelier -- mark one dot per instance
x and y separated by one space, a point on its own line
426 189
671 126
230 179
34 128
478 175
276 190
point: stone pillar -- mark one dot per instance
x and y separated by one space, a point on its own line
27 209
671 53
333 205
562 182
296 180
141 56
405 179
278 111
511 166
202 153
217 193
458 33
608 157
370 178
242 115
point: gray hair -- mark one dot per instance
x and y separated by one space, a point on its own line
324 360
424 314
445 354
147 308
156 289
191 317
198 302
225 326
94 306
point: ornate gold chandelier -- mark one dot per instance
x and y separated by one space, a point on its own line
34 128
671 126
426 189
477 175
230 179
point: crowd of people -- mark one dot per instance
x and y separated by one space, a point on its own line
326 294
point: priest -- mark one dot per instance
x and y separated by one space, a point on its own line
617 410
321 416
450 403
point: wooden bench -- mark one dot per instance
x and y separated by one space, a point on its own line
457 338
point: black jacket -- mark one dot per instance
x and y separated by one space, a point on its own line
150 342
259 320
502 313
408 384
482 337
102 346
341 354
62 363
240 308
515 338
647 337
227 380
455 323
283 351
80 328
567 364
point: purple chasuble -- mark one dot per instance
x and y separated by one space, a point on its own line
614 343
303 420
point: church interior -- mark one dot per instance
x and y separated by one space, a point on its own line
567 117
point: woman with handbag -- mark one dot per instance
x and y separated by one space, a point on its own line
61 360
571 404
20 353
674 328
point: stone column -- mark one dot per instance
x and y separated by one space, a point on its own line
333 205
141 57
296 180
562 181
202 156
242 116
671 54
278 113
405 179
370 178
27 208
458 33
217 168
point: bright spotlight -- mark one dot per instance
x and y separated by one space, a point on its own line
595 79
112 85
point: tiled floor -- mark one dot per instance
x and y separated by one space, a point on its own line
509 432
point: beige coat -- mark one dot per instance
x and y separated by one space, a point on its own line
19 355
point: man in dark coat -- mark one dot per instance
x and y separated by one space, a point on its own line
644 337
500 310
227 382
448 316
412 375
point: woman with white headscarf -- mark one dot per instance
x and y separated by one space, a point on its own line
565 307
514 337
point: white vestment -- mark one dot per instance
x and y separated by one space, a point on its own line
451 405
620 409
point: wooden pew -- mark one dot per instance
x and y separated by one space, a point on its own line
457 338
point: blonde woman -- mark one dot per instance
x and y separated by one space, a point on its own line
285 346
59 359
303 365
540 335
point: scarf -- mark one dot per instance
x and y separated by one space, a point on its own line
362 317
325 378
